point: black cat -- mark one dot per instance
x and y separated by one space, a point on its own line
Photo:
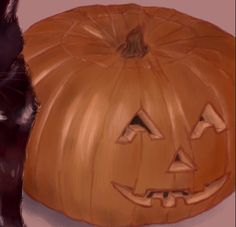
18 107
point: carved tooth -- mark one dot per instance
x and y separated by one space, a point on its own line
165 194
168 198
185 193
157 195
209 191
169 201
178 194
143 201
150 194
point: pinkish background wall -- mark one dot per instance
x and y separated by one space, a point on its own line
219 12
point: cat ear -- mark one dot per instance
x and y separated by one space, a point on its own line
8 10
11 40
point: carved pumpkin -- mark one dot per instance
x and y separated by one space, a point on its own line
136 119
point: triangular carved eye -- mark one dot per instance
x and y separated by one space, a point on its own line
141 122
208 118
181 162
137 121
177 158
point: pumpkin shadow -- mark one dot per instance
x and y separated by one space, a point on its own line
37 215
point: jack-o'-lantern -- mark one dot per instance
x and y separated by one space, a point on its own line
136 119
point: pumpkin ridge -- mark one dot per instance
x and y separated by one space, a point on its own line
215 66
112 23
65 141
177 100
186 121
109 38
141 135
141 86
99 144
153 17
214 91
186 26
74 23
168 106
134 211
193 54
62 145
178 23
74 74
43 74
138 173
89 88
155 76
44 120
207 85
109 14
141 108
36 54
168 34
183 117
85 69
187 41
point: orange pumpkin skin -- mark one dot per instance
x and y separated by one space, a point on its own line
136 124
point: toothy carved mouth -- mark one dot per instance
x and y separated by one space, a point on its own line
168 197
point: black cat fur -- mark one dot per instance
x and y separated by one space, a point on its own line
18 107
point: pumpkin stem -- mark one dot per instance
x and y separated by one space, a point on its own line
134 45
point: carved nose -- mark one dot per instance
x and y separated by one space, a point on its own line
182 162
